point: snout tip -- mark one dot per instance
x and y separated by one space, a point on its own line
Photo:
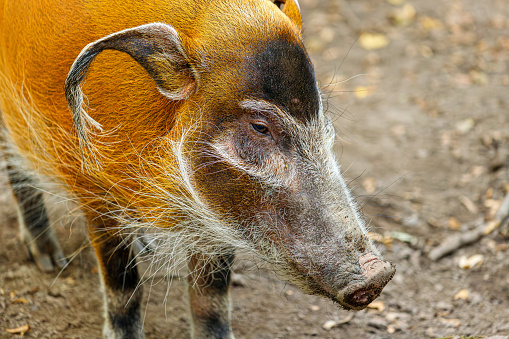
359 296
362 297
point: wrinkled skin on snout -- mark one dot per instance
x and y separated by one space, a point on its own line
269 164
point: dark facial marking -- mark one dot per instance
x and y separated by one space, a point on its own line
282 73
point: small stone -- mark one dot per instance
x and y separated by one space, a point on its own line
393 316
378 322
444 305
329 324
422 153
54 292
450 322
333 323
412 221
475 298
465 126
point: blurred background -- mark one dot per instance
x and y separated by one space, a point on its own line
419 92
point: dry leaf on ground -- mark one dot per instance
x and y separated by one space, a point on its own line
20 301
370 41
428 23
453 223
469 205
403 16
377 305
462 294
492 205
328 325
471 262
19 330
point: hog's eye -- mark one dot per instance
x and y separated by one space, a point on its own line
262 129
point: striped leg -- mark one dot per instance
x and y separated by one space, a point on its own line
119 277
209 283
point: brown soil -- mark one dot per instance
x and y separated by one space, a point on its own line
428 146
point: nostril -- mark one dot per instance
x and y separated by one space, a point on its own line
362 297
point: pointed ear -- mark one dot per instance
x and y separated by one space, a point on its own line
292 10
156 46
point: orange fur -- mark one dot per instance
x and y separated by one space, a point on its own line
39 39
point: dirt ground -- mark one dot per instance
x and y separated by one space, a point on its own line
423 128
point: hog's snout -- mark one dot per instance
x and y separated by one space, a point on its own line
377 274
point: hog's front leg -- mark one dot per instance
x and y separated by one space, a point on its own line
209 296
34 224
119 278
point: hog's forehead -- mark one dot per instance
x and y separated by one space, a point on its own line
280 71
